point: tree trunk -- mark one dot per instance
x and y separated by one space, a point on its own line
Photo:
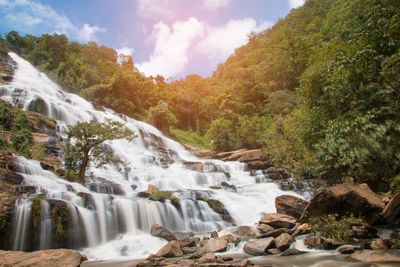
82 170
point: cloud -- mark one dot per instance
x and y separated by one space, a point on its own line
28 14
155 8
215 4
221 42
127 51
88 33
176 45
170 55
295 3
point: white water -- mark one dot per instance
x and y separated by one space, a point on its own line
117 226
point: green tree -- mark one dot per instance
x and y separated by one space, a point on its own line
83 144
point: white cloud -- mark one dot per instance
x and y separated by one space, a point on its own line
296 3
170 55
88 33
26 14
127 51
215 4
222 41
154 8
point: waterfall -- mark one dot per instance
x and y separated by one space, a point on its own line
106 218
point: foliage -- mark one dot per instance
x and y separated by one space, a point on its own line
161 117
331 226
191 138
83 144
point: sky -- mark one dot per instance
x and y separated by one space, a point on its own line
172 38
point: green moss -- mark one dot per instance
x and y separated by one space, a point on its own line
37 210
62 223
216 205
163 195
335 227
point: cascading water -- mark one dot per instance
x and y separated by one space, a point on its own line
107 219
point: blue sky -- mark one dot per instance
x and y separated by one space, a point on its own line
172 38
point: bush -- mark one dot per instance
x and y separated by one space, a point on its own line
191 138
22 142
331 226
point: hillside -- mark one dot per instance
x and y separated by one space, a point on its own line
318 91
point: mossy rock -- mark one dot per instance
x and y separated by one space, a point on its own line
61 222
163 195
218 207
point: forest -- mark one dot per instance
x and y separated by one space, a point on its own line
319 91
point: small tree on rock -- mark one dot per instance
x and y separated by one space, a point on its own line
83 144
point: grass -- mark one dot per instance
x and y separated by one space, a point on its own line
191 138
163 195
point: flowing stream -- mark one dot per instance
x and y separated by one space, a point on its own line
108 220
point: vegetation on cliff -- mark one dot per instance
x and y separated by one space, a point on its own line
319 90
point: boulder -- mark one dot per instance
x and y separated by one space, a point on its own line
43 258
258 247
348 249
301 229
245 231
292 251
159 231
283 241
278 220
364 232
376 256
183 235
152 189
343 199
172 249
198 253
330 244
312 241
274 233
392 210
189 242
265 228
210 258
290 205
231 239
273 251
244 155
216 245
189 250
385 243
245 262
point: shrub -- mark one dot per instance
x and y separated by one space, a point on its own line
332 226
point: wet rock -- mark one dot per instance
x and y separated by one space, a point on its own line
274 233
285 185
231 239
273 251
278 220
104 186
348 249
395 234
330 244
43 258
26 189
312 241
194 166
265 228
292 251
216 245
214 234
301 229
172 249
227 258
364 232
290 205
385 243
189 242
245 262
183 235
210 258
376 256
345 198
159 231
392 210
283 241
198 253
245 231
277 173
189 250
258 247
229 186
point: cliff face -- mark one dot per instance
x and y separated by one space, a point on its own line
7 66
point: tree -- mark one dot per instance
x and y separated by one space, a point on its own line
84 144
